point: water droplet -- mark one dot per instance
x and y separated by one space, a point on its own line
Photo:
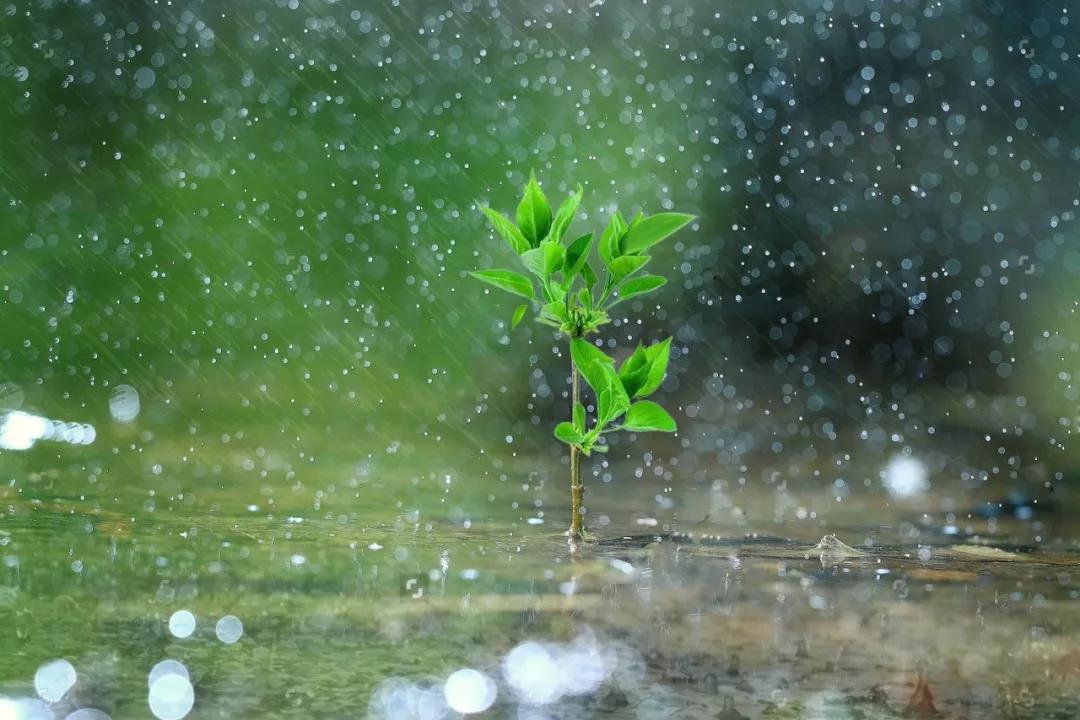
53 679
905 476
182 623
24 709
166 667
469 691
88 714
229 629
145 77
20 430
124 403
11 397
171 697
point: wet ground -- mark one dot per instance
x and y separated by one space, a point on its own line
719 603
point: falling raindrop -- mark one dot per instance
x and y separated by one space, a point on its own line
166 667
182 623
171 697
24 709
229 629
124 403
905 476
145 77
20 430
53 679
88 714
11 397
469 691
532 672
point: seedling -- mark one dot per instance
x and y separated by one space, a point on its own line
563 287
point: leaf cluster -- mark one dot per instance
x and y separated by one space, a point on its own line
563 282
619 394
573 293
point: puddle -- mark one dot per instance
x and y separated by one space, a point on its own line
325 621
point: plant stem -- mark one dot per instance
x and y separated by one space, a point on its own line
577 488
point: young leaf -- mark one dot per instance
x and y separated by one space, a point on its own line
657 355
647 416
556 311
542 261
646 232
628 265
507 230
507 280
590 440
579 418
591 362
534 213
640 286
533 260
589 276
612 401
553 292
585 298
576 256
609 240
634 371
565 431
550 323
518 314
565 215
554 254
604 400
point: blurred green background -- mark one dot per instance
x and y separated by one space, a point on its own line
261 215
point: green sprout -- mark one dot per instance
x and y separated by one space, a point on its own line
562 284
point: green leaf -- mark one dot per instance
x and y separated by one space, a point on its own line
544 260
556 311
584 297
647 416
552 292
622 399
533 260
640 286
576 256
588 275
657 355
646 232
519 313
625 266
604 400
612 401
507 230
507 280
534 213
554 255
591 362
579 418
634 371
565 431
565 215
612 235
